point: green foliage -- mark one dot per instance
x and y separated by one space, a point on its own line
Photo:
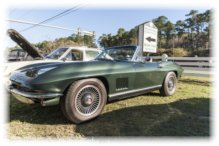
73 40
192 34
180 52
122 37
176 52
202 53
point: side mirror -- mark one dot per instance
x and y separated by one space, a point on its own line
140 59
164 57
148 59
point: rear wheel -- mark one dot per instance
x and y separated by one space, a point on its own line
84 100
169 84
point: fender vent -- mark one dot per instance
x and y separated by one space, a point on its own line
121 84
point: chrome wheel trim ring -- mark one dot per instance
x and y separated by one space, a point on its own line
88 100
171 83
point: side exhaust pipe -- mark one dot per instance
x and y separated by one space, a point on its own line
50 102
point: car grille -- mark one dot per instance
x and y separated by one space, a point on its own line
20 88
121 84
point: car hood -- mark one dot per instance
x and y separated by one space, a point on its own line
9 67
24 44
42 64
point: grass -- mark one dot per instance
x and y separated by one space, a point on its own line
187 113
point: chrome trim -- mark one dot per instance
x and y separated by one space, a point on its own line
94 106
50 102
136 54
34 95
134 91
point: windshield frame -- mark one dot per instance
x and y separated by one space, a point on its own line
133 59
62 55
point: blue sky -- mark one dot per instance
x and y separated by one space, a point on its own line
98 20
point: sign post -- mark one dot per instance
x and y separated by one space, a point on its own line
147 37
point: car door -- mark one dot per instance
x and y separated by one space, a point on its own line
147 74
123 77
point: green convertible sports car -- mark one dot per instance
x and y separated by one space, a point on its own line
83 88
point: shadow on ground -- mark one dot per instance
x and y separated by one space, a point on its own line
196 82
188 117
182 118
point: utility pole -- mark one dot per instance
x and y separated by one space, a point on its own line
94 33
78 31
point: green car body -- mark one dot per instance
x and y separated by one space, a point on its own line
120 78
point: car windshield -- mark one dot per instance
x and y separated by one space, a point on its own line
13 54
17 53
117 53
56 53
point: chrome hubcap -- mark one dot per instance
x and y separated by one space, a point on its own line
171 83
88 100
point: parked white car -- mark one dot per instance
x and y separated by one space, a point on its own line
66 54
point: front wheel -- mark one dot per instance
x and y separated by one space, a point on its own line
84 100
169 85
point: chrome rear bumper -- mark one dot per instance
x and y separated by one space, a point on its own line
45 99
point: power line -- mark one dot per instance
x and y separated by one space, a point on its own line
51 18
75 8
50 26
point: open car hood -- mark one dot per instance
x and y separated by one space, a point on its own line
24 44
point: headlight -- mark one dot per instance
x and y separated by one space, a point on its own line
35 72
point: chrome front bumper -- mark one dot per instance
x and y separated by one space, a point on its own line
45 99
